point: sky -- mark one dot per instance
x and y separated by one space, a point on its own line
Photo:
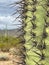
6 18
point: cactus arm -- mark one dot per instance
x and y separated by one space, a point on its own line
35 14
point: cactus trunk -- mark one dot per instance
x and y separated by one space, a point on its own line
35 14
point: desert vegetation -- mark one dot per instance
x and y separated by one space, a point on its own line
33 46
8 42
11 50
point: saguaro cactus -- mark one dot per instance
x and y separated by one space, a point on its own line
35 15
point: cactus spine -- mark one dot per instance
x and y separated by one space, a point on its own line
35 15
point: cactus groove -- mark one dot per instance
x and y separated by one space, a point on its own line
35 15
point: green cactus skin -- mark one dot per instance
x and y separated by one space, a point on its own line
36 35
35 15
